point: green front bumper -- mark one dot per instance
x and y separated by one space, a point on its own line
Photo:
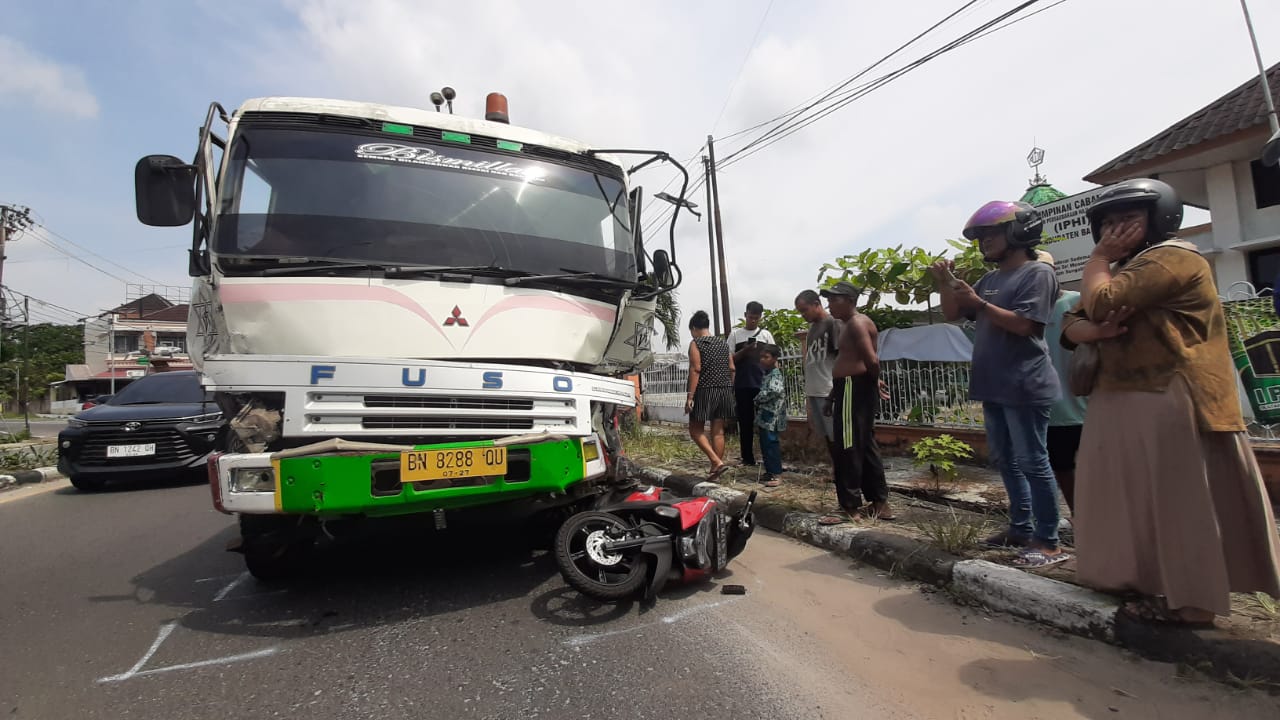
346 484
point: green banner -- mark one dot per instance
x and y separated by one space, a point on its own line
1254 332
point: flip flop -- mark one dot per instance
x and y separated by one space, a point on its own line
717 472
1151 611
836 518
1033 559
869 512
771 483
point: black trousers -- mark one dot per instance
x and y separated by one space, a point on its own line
745 402
859 471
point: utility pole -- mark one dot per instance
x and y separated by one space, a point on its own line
711 245
715 194
26 364
111 350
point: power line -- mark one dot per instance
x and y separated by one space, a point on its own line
80 259
791 117
738 76
45 228
796 124
802 107
69 311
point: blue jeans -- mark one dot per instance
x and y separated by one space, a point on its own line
1016 436
771 449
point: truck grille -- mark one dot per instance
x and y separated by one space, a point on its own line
171 446
403 413
447 402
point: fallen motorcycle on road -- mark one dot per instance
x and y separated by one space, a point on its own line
636 540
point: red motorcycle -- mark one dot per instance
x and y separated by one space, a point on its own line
641 538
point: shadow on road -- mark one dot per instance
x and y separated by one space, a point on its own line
383 579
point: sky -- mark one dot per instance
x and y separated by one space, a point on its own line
87 88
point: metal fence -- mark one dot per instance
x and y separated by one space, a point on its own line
920 393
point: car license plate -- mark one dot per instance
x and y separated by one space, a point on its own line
422 465
121 451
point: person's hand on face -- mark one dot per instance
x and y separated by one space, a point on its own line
1121 234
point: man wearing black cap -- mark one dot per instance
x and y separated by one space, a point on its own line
854 400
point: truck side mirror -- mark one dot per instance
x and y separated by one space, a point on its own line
164 191
662 269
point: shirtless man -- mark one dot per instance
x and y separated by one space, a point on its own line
854 400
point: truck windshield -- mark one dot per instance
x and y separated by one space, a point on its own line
342 196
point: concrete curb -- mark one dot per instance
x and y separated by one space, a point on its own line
1057 604
24 477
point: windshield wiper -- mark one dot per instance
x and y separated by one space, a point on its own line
387 269
572 275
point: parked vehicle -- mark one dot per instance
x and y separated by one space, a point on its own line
94 401
647 538
159 425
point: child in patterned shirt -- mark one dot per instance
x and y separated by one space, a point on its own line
771 414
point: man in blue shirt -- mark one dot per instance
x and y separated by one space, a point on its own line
1012 373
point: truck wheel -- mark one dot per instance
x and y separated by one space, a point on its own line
86 484
272 564
273 545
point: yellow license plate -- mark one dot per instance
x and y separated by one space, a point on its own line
422 465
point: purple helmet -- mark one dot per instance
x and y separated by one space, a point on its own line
1022 219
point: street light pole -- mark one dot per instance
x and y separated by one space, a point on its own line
1271 152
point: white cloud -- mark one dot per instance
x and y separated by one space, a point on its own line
51 86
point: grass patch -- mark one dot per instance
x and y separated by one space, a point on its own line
953 532
28 458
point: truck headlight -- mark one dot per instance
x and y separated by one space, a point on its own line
253 480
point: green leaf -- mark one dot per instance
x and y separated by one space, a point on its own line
903 297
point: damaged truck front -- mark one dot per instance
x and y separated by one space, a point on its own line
404 312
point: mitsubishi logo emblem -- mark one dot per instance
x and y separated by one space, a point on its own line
132 426
455 318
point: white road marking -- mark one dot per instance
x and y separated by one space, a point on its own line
230 586
218 577
160 638
199 664
137 671
581 640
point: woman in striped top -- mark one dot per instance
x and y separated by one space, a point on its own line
710 396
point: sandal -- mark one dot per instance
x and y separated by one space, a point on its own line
772 482
1034 559
1155 611
717 471
835 518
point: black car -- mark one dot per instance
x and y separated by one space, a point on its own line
162 424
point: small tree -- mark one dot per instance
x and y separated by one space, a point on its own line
900 273
941 453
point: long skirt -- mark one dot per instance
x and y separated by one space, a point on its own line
1164 508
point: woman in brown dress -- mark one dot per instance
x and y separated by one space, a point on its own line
1170 503
710 398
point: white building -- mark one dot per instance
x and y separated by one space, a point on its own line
1210 157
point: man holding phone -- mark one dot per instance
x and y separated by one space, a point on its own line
744 342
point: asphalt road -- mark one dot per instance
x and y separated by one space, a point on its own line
124 604
40 427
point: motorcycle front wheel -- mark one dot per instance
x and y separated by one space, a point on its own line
588 568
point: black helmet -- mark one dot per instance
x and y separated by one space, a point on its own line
1162 202
1021 220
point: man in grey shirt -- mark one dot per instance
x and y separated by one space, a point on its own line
1012 373
819 358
